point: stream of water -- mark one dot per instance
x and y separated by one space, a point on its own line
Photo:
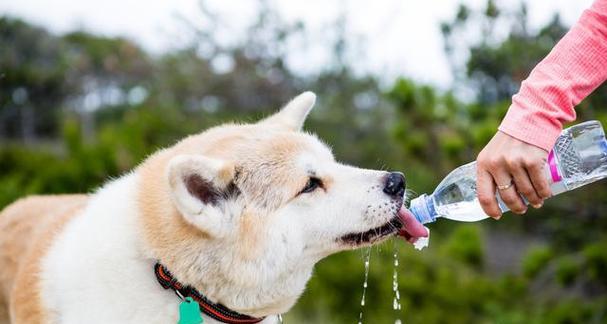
396 306
362 300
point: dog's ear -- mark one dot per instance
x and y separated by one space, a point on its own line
293 115
199 188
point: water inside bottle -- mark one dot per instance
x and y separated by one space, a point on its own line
462 190
466 211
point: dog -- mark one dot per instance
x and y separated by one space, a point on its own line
233 218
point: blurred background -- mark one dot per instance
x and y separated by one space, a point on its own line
88 89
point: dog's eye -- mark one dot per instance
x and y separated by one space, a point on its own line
313 184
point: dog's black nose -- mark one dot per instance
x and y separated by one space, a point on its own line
395 184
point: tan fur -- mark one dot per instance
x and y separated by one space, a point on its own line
250 232
154 200
28 227
229 144
213 143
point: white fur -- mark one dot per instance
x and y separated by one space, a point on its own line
97 271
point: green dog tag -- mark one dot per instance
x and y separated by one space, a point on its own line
189 312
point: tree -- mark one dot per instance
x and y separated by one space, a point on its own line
496 66
32 73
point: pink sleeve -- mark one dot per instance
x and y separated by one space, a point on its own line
574 68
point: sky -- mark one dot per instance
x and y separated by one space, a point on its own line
401 37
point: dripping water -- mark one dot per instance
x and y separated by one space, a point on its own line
396 305
362 300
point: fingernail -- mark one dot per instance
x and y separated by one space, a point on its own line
536 206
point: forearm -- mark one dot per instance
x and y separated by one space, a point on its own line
574 68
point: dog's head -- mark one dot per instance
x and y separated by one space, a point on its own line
243 212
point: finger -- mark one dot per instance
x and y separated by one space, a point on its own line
509 196
538 178
525 187
485 190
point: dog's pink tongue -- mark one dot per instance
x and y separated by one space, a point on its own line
412 228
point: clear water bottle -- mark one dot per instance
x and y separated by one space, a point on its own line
579 157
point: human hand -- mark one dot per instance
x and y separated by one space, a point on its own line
514 168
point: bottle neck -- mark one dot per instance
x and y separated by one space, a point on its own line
423 209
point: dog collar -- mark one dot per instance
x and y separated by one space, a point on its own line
213 310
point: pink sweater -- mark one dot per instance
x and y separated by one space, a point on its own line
574 68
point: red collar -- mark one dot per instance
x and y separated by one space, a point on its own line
213 310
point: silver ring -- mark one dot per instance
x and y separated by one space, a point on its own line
506 186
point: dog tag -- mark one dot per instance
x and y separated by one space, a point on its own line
189 312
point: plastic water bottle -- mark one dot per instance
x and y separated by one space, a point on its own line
579 157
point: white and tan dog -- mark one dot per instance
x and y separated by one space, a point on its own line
240 213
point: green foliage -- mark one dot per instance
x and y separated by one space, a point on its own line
567 270
573 311
536 260
465 245
596 261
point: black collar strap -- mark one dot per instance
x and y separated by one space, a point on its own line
213 310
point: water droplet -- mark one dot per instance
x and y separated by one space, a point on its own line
362 300
396 301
